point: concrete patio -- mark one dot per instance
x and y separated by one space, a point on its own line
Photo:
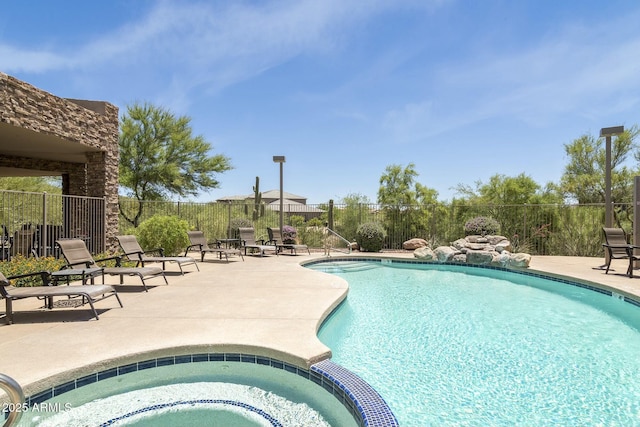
268 306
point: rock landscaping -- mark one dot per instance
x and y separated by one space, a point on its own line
482 250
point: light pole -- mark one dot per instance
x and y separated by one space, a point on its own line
280 159
607 133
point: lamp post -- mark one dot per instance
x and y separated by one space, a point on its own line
607 133
280 159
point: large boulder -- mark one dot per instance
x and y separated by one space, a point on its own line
501 259
479 257
494 240
444 253
424 253
520 260
415 243
460 244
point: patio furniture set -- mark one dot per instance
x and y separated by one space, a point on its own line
80 265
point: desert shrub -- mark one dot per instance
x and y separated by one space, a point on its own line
289 234
481 225
20 264
370 236
163 231
237 223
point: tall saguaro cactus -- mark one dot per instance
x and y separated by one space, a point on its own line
258 209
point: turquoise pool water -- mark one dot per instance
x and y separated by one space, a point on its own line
448 345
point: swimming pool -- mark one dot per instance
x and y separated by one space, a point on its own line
214 389
456 345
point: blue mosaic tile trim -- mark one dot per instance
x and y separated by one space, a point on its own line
372 410
274 422
317 375
573 282
632 301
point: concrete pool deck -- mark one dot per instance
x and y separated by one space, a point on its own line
269 306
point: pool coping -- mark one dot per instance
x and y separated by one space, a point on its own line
364 404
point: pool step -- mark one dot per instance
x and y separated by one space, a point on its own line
344 266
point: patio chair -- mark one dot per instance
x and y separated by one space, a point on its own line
618 248
248 241
5 243
275 238
76 253
134 252
88 293
199 242
22 243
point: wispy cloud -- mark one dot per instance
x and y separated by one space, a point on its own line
206 46
572 71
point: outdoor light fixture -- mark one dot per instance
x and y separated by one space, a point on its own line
281 160
607 133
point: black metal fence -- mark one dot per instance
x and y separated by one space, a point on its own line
32 222
572 230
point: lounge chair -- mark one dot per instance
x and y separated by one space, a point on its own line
76 253
134 252
199 242
618 248
248 241
89 293
275 238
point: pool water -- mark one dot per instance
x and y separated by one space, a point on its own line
447 345
213 394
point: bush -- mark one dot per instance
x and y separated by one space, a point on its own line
289 234
20 264
481 225
237 223
370 236
167 232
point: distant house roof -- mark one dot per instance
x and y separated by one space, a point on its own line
270 195
231 198
296 208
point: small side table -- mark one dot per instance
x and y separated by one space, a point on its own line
228 243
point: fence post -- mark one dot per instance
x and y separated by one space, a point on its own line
229 236
331 214
104 223
524 225
42 246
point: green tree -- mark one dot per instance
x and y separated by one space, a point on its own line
507 200
406 203
397 185
159 156
584 175
506 190
355 211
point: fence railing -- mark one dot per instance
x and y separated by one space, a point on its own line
574 230
32 222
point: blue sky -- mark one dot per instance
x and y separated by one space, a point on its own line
342 88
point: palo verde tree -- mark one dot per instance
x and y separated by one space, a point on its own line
406 203
160 156
584 176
